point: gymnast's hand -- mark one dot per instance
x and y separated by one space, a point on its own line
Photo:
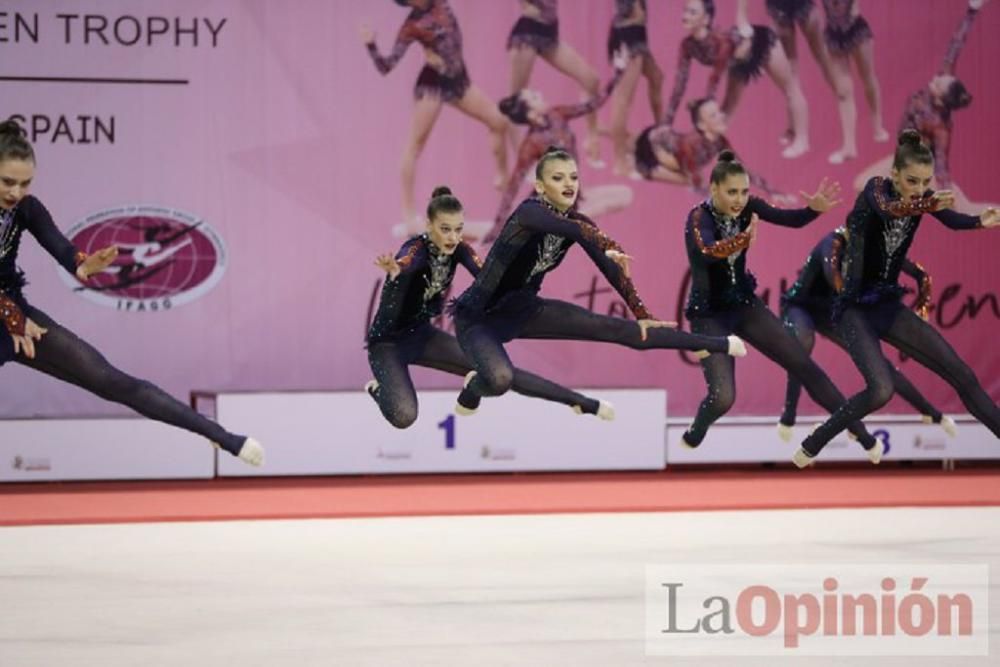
824 198
367 34
97 262
653 324
943 199
620 59
388 264
26 342
990 217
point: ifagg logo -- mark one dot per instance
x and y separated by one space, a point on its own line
166 258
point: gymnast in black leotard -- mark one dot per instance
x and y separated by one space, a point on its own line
868 309
30 337
806 309
401 333
503 303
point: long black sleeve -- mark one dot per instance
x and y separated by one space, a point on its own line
412 260
957 221
39 222
540 218
785 217
468 258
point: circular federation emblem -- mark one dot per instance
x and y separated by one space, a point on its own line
166 257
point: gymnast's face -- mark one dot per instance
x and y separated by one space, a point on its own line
940 84
912 181
445 230
711 120
695 17
560 183
730 196
536 105
15 179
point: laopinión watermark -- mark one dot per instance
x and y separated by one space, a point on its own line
901 609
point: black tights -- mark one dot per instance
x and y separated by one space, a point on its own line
63 355
804 327
482 341
397 399
762 329
904 330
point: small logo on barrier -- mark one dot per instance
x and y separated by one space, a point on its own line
394 454
498 454
931 444
31 464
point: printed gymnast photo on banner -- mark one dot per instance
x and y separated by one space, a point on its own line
820 609
517 296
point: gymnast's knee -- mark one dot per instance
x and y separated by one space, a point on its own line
499 380
402 416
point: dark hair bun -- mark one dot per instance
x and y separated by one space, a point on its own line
957 96
727 156
442 201
11 127
515 108
554 149
909 137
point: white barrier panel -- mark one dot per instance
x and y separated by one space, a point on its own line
344 433
753 440
80 449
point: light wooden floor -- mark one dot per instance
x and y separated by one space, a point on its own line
555 589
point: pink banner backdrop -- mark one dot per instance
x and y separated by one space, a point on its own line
268 122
